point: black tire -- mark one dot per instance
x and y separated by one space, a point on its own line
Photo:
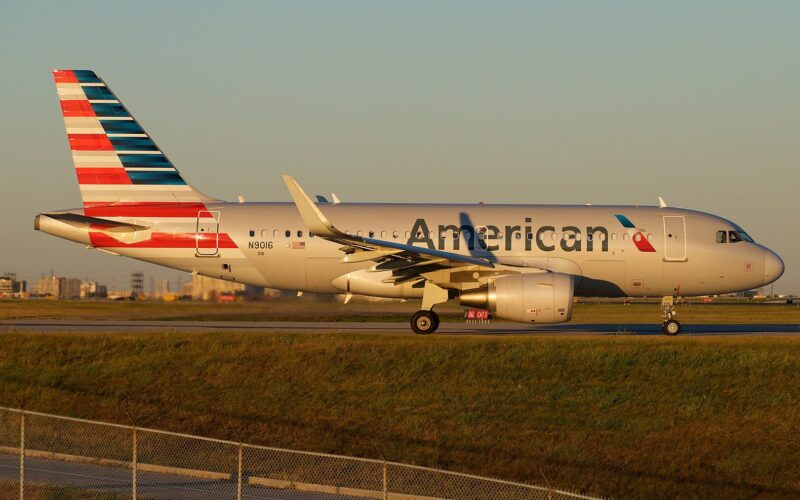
671 327
424 322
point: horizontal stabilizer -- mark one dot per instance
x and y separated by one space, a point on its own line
104 225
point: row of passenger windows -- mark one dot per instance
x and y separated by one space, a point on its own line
549 235
733 237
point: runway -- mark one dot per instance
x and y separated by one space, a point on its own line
379 328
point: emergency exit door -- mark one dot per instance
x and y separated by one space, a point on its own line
674 238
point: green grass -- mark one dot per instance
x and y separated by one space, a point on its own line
617 416
311 308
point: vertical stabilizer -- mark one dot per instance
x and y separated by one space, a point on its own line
116 161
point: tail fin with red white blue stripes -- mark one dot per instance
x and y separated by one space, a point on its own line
116 161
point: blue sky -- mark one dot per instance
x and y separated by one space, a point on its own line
510 102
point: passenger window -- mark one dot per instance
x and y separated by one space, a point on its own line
252 233
372 234
383 235
518 236
530 236
613 236
722 237
625 236
287 234
395 234
734 237
274 233
299 233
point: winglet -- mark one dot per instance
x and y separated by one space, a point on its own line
313 218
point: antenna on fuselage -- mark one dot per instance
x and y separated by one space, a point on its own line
662 203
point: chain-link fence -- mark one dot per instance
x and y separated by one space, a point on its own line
49 456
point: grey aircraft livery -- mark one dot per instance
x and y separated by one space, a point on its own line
521 262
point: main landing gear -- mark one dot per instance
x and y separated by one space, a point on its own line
671 326
425 321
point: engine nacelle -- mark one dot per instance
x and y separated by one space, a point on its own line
541 298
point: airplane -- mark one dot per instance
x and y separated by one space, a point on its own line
524 263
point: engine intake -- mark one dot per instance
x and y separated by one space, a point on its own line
542 298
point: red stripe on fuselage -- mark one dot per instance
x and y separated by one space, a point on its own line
65 76
76 108
155 209
102 176
90 142
167 240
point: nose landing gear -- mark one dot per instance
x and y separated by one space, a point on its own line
670 326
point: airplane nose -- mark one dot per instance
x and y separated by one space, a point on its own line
773 266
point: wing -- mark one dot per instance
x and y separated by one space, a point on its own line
407 262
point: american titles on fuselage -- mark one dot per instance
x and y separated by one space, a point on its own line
481 237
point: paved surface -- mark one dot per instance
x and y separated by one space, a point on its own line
446 328
149 484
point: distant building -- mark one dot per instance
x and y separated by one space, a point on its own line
93 290
205 288
49 286
11 287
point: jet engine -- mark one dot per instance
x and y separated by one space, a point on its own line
541 298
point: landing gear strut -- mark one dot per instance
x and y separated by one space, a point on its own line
671 326
424 322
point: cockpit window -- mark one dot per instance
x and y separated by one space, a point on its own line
722 237
734 237
746 237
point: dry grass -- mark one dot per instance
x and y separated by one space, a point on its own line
619 416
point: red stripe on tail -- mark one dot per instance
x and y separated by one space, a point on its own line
65 76
76 108
90 142
102 176
166 240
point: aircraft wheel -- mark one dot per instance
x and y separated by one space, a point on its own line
671 327
424 322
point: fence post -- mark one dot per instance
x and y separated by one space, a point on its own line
22 456
134 461
385 473
239 475
385 480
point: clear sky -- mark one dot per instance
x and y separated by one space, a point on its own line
508 102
